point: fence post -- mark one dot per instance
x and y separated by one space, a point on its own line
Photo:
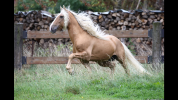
156 47
18 42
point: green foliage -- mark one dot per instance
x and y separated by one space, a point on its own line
51 6
75 5
71 48
97 9
31 4
52 11
100 8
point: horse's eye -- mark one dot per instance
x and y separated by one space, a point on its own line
61 16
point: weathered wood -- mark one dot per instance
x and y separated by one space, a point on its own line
106 26
161 20
128 33
118 14
50 60
109 16
122 17
64 60
64 34
100 16
118 27
18 32
123 27
114 14
125 23
144 21
47 34
156 48
129 23
120 22
103 24
152 17
115 21
110 27
143 13
101 20
126 15
151 13
128 19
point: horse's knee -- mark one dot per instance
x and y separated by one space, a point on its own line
71 56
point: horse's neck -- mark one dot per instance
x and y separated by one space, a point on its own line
74 29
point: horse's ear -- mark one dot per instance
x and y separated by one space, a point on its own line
64 8
60 7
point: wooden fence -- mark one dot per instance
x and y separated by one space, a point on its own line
19 35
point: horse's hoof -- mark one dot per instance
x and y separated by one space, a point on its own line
68 68
72 73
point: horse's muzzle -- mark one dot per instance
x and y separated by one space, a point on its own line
54 29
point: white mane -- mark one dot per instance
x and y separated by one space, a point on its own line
86 24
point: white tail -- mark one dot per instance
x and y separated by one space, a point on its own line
131 60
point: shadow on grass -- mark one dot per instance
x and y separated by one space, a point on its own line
74 90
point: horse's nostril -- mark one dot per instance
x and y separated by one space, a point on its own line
53 31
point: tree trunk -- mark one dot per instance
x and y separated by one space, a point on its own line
124 4
138 4
145 5
119 4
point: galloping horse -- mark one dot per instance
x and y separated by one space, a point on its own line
90 43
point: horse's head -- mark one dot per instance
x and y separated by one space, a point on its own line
60 22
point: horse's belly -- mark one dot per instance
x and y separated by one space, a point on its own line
99 57
102 54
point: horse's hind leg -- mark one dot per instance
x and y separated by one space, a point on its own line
86 64
109 64
121 59
112 67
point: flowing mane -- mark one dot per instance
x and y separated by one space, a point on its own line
87 24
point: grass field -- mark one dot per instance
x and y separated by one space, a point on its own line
52 82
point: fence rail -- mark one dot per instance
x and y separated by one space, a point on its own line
64 60
64 34
19 34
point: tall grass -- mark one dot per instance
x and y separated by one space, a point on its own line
52 81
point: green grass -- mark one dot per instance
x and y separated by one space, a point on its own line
52 81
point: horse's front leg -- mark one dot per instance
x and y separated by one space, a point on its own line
82 55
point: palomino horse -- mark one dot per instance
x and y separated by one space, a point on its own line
92 44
